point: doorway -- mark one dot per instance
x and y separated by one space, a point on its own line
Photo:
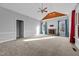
63 28
19 28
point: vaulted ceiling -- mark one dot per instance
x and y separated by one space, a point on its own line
31 9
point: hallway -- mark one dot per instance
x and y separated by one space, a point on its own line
42 46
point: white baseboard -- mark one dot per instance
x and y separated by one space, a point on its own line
7 40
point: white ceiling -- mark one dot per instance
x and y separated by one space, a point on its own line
31 9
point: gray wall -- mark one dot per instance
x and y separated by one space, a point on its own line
8 24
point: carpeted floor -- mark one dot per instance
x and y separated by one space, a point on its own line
54 46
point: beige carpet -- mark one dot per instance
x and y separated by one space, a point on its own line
56 46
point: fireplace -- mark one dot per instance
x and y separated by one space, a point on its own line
52 30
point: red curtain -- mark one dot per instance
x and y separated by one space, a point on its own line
72 34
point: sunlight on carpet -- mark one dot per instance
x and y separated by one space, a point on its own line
42 38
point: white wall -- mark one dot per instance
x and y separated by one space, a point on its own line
8 24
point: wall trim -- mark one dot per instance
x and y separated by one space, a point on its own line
6 40
7 33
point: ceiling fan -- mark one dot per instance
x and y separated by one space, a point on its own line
43 9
